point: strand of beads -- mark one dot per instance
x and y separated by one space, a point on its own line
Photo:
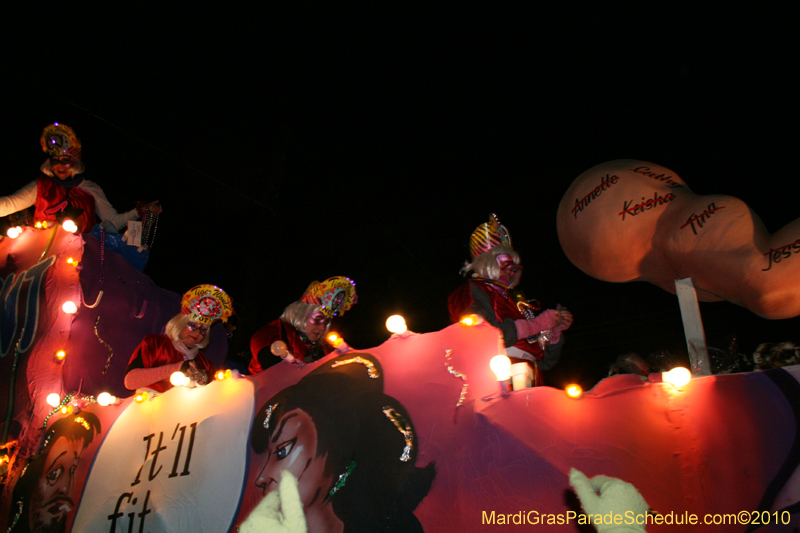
102 253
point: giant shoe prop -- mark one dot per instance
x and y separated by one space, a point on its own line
411 435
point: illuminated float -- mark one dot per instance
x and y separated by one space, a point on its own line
432 424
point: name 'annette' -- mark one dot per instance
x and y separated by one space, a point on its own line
605 182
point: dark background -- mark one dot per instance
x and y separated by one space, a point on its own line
294 142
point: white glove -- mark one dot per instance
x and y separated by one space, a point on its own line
616 498
280 512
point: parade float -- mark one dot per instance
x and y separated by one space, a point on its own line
420 423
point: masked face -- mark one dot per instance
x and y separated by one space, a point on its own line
193 334
315 326
510 272
293 447
62 166
52 501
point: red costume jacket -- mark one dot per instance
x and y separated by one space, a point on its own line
157 350
52 197
491 300
263 358
496 307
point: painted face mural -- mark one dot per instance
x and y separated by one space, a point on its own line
293 447
351 447
43 497
52 498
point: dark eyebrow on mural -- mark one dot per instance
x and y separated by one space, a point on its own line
280 427
54 461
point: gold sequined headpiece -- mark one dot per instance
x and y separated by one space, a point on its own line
59 139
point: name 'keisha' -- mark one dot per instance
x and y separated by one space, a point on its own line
645 205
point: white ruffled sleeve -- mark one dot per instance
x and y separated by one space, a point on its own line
104 209
25 197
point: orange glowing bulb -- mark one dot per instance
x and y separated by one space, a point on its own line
38 225
335 339
70 261
220 375
66 410
141 397
470 320
678 376
60 355
574 391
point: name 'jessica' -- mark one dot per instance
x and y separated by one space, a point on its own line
645 205
775 255
605 182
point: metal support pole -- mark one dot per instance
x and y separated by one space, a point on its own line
693 326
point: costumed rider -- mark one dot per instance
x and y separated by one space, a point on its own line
60 192
494 272
298 336
158 356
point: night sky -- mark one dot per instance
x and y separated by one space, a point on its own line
293 143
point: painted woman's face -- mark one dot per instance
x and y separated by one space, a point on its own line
293 447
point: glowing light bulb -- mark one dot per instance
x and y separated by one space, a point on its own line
69 226
678 376
60 355
141 397
335 339
396 324
105 399
279 348
53 399
44 224
14 232
70 261
574 391
223 374
470 320
179 379
66 410
69 307
38 225
501 366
